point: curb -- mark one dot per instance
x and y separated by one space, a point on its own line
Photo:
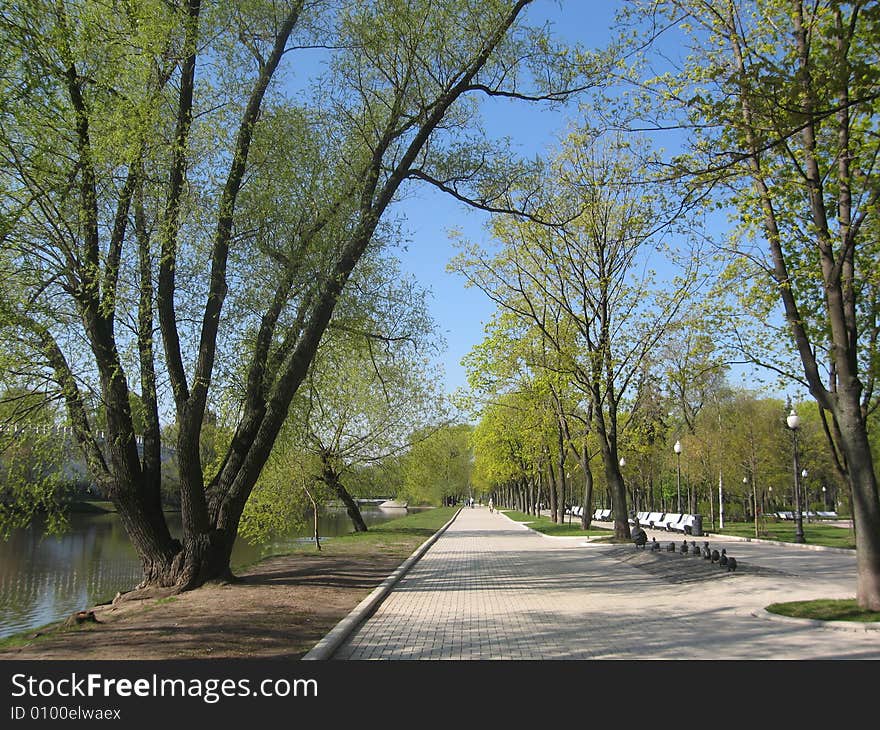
333 639
858 626
525 525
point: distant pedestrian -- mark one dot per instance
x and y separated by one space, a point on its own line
491 506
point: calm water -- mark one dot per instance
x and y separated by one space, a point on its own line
44 579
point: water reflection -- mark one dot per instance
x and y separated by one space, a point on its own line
44 579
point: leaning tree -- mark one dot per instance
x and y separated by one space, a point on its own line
188 184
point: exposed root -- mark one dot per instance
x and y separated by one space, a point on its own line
145 593
82 617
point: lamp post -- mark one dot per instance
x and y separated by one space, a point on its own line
794 421
677 450
824 498
622 463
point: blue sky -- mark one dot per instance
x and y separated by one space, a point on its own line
460 313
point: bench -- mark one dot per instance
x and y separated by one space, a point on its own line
685 525
669 518
653 518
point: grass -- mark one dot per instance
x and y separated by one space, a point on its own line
815 533
546 526
825 609
399 536
29 636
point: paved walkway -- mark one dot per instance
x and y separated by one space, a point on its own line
490 588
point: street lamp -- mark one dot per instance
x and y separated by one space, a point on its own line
622 464
824 498
794 421
677 450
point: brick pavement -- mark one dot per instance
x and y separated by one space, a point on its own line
490 588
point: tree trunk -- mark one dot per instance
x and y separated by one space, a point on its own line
865 503
551 489
351 506
587 513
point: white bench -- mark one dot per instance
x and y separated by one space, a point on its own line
668 519
684 525
654 518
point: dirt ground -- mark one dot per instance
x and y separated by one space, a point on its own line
280 609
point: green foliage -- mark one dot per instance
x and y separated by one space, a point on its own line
282 500
438 465
32 456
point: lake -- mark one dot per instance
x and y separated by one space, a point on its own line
45 579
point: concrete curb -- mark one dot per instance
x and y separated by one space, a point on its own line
330 643
836 625
586 539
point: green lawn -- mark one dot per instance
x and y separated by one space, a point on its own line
825 610
546 526
814 533
399 536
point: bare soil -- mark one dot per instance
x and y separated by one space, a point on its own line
279 609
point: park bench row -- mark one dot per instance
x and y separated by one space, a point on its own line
809 514
669 521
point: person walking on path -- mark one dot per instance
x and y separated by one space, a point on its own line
491 506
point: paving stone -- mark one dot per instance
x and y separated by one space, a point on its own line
489 589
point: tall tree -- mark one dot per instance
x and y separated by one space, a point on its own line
155 170
579 275
781 97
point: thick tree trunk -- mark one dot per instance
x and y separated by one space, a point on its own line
587 507
551 490
613 477
865 502
331 478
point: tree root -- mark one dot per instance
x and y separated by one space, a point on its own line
82 617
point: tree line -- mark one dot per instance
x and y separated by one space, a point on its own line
198 200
